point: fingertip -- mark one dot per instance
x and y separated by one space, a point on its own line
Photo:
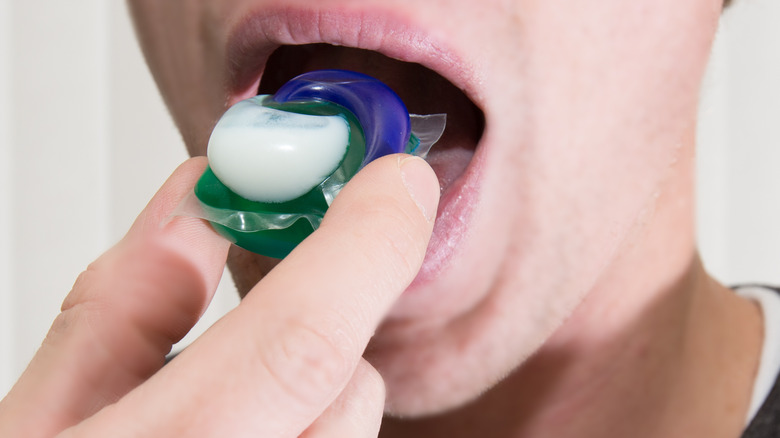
380 180
173 191
422 184
382 220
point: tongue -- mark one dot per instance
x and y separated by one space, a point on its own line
449 164
422 90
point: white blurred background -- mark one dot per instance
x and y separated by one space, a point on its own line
85 141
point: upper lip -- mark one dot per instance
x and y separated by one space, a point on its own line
252 40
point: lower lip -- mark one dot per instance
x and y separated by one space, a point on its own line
456 206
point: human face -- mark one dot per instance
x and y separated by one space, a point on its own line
585 106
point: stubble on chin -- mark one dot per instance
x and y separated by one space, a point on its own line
247 269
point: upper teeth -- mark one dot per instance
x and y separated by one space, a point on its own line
268 155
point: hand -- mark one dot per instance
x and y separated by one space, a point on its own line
285 363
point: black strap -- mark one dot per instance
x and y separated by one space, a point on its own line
766 423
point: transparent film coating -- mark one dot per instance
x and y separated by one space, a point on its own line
243 221
428 130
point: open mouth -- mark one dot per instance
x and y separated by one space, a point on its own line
271 47
422 90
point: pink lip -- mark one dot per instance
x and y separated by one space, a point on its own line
260 32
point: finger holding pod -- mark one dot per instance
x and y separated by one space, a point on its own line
277 162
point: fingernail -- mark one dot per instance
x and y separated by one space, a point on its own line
422 185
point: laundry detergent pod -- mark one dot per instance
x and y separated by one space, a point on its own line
277 161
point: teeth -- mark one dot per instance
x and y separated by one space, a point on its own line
268 155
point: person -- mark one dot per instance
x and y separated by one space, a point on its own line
541 281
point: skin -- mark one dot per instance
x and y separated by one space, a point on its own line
574 304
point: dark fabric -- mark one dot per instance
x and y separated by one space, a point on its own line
766 423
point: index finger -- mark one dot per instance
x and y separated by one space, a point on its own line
273 365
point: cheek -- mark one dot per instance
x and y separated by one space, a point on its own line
592 108
597 102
